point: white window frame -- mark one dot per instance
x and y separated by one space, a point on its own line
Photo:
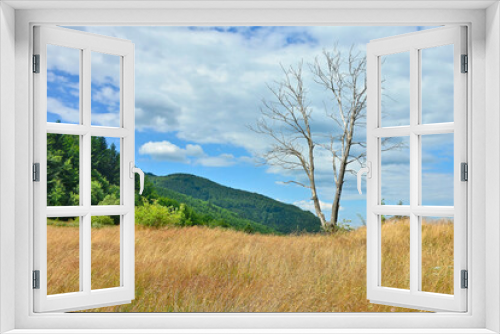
86 44
413 44
482 18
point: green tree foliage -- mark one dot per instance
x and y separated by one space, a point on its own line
63 161
105 170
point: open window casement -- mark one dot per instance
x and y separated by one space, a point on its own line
413 123
83 124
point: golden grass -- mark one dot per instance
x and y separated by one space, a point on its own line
437 257
198 269
63 259
395 239
105 262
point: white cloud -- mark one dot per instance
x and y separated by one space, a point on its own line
66 113
191 154
63 59
60 79
223 160
166 151
106 95
106 119
105 69
248 160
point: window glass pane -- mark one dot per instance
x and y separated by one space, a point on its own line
105 89
437 84
437 254
395 94
395 171
63 255
437 169
395 235
63 170
105 252
105 171
63 84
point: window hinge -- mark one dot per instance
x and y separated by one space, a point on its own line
465 279
465 64
36 279
464 172
36 172
36 63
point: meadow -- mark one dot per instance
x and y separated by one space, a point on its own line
200 269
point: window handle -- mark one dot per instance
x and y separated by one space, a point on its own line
368 171
134 170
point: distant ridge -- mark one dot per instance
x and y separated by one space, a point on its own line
282 217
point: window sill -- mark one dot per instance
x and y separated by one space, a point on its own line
250 331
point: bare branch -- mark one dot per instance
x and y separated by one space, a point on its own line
297 183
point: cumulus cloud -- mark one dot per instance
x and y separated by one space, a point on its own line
66 113
160 115
166 151
107 95
191 154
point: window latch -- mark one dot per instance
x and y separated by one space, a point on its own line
368 171
134 170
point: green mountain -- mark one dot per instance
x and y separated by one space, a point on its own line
203 212
186 188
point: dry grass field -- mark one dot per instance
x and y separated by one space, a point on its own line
199 269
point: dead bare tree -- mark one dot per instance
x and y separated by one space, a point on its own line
346 81
287 120
293 143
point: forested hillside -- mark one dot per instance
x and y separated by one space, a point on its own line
208 211
280 216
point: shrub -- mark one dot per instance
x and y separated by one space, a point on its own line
100 221
155 215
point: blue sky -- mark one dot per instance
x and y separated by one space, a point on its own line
199 88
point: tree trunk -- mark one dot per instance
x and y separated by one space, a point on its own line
312 181
317 206
338 190
336 206
340 179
